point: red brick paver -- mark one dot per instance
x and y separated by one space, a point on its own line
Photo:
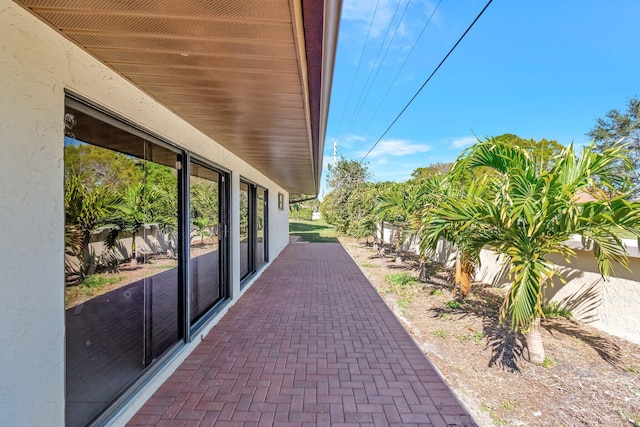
310 343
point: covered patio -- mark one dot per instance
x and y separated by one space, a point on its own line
310 343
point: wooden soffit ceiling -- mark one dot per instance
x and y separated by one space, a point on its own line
254 75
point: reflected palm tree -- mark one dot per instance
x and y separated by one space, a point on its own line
85 211
139 205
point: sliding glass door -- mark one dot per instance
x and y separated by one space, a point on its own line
253 228
207 226
145 255
262 254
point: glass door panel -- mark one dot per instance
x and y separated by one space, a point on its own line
246 250
261 227
121 257
205 252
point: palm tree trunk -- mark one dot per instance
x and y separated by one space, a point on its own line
84 256
423 276
456 279
134 258
534 343
466 270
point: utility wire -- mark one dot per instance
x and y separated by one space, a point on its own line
377 65
402 66
375 11
428 79
375 61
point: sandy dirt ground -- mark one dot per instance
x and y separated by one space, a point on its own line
589 378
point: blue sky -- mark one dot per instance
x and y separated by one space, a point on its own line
537 69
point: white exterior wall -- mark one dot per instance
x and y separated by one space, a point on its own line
36 66
611 306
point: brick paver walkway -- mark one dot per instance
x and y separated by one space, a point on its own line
311 343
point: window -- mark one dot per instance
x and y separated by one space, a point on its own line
206 236
262 255
144 239
280 201
253 228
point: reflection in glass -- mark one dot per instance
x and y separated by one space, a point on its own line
261 219
245 250
121 280
204 260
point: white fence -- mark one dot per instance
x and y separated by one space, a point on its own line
612 305
150 240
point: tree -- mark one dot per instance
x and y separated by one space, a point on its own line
533 213
96 166
399 204
203 226
621 128
204 200
543 154
437 189
140 204
86 209
303 209
432 169
347 175
344 178
360 207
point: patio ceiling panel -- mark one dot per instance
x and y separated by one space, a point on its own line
254 75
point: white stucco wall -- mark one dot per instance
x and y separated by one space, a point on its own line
610 305
36 66
31 314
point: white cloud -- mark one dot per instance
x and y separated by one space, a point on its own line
362 11
463 142
381 161
354 138
397 148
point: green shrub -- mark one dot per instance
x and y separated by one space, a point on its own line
547 363
369 265
301 213
453 304
400 279
97 281
553 309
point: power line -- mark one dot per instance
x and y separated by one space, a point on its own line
428 79
377 65
415 43
375 11
384 40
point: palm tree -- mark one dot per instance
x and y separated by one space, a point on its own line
437 189
401 204
86 209
533 213
140 204
203 225
397 204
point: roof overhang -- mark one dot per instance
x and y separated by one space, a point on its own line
254 75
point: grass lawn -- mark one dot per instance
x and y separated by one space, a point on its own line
313 231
